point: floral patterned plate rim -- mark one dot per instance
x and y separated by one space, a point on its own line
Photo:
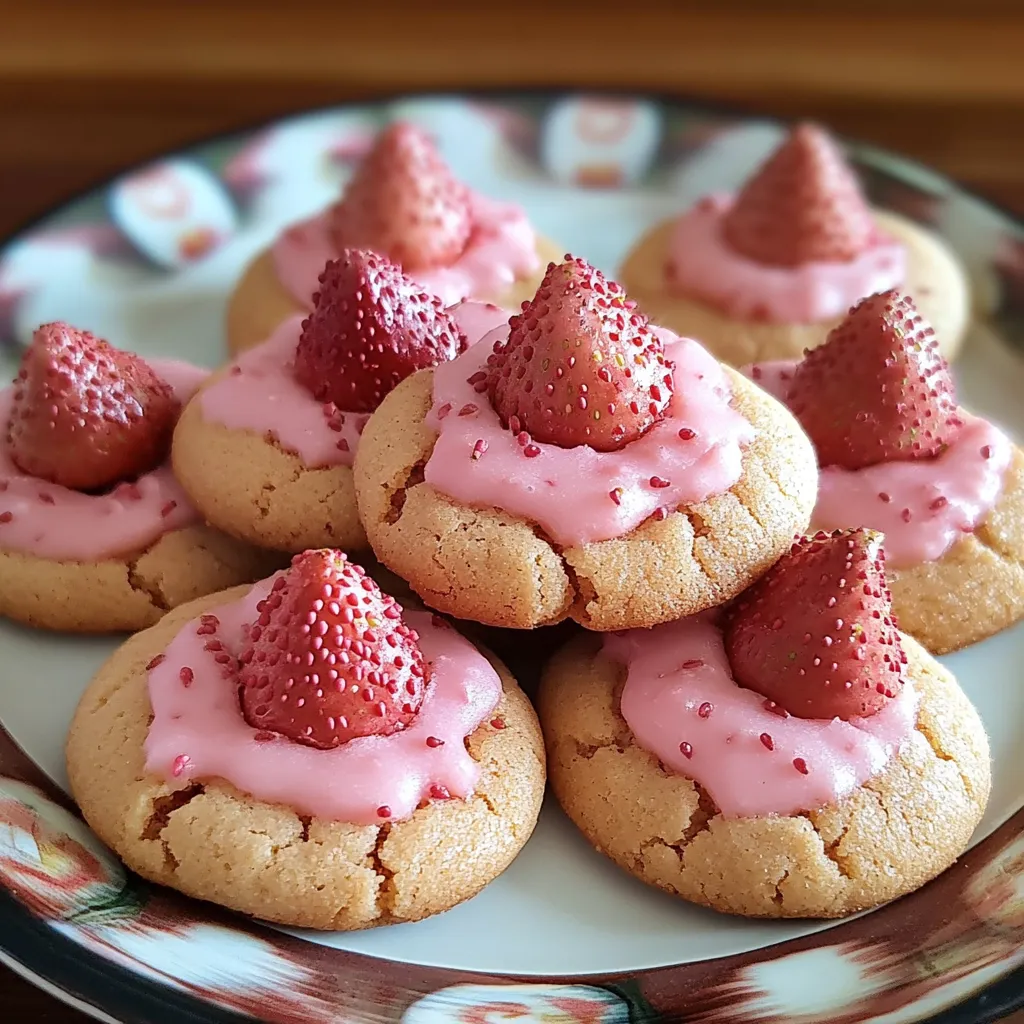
148 260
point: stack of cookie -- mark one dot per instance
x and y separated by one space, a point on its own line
736 718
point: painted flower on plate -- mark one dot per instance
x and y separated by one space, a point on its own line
49 859
522 1004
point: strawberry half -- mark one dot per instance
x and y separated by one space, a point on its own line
878 389
371 327
87 415
329 658
815 635
404 202
804 205
580 366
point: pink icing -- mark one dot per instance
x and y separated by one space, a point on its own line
679 691
259 393
568 491
700 263
54 522
927 503
501 250
198 731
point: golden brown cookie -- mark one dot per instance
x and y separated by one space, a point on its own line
250 486
499 569
211 841
130 592
260 302
935 280
977 588
887 838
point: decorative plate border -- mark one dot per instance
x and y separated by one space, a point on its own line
72 917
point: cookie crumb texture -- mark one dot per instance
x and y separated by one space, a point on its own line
977 588
501 570
130 593
887 838
260 302
213 842
250 487
935 281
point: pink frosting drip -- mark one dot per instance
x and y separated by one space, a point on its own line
501 250
567 491
259 393
927 503
679 690
198 731
700 263
50 521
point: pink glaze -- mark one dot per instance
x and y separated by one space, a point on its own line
701 264
198 731
50 521
478 319
501 250
680 695
568 491
259 393
922 505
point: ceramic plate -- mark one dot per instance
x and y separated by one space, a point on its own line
562 937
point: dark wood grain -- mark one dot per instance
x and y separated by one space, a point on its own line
87 88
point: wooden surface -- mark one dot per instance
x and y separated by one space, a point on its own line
87 87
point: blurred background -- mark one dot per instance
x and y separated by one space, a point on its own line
88 87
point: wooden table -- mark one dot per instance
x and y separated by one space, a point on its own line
86 88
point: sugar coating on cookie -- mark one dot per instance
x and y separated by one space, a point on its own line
352 836
766 273
490 522
904 810
934 507
403 202
106 558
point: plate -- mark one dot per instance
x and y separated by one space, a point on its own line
562 937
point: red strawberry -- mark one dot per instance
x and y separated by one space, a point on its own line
802 206
404 202
878 389
329 658
85 414
370 328
580 365
815 634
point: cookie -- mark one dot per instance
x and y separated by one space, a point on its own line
468 246
251 486
884 839
500 569
934 277
129 592
266 448
976 589
259 302
213 841
580 463
766 273
946 498
96 535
